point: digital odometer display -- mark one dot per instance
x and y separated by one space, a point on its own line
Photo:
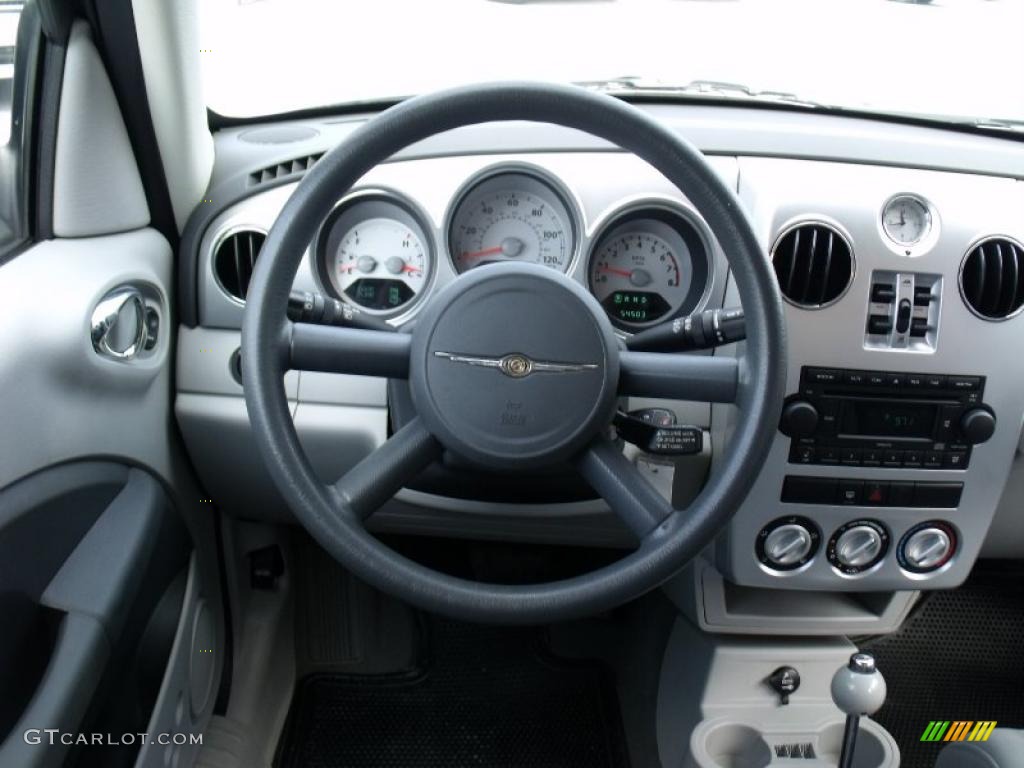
375 293
635 306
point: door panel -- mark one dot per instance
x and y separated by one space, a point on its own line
110 596
61 398
87 552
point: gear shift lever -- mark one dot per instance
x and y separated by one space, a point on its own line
857 689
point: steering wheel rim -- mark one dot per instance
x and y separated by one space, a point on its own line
669 538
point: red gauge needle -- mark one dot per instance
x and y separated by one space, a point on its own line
410 269
612 270
485 252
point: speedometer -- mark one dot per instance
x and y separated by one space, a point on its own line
512 216
374 252
648 266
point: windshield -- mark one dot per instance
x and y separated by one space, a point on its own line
952 59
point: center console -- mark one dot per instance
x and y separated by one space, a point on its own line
869 484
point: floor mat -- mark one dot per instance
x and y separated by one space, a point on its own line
485 697
959 658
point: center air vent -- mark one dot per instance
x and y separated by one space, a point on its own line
992 278
813 264
234 259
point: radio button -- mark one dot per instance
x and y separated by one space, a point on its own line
856 378
850 457
933 459
964 383
875 494
913 459
804 454
916 381
935 382
892 458
901 494
955 460
850 492
828 455
876 379
822 375
895 380
949 416
871 458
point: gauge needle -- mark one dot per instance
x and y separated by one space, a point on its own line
410 269
613 271
485 252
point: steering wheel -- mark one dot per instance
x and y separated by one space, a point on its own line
511 367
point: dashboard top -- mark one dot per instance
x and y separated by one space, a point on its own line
250 159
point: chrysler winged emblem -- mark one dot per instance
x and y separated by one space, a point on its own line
517 366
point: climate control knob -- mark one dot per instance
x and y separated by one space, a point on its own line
977 425
799 419
858 546
927 547
788 543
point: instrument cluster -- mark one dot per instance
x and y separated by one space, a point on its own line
646 262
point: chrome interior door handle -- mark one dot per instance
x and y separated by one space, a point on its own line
110 337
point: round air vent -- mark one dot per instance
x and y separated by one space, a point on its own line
992 278
234 258
813 264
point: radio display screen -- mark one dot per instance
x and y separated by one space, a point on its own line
888 418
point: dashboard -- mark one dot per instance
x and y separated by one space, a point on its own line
898 250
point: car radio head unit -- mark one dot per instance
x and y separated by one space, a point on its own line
886 419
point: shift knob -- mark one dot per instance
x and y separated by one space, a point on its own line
859 688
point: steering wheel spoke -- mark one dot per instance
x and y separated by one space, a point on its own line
373 481
332 349
637 503
699 378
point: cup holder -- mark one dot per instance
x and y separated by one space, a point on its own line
870 752
733 745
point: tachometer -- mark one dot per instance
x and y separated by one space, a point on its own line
511 216
648 266
375 254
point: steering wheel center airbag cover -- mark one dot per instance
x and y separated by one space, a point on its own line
514 366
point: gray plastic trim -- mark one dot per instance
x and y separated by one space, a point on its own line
96 185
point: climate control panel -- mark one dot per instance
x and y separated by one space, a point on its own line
855 547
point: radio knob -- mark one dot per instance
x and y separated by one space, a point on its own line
788 544
927 548
858 547
799 419
977 425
